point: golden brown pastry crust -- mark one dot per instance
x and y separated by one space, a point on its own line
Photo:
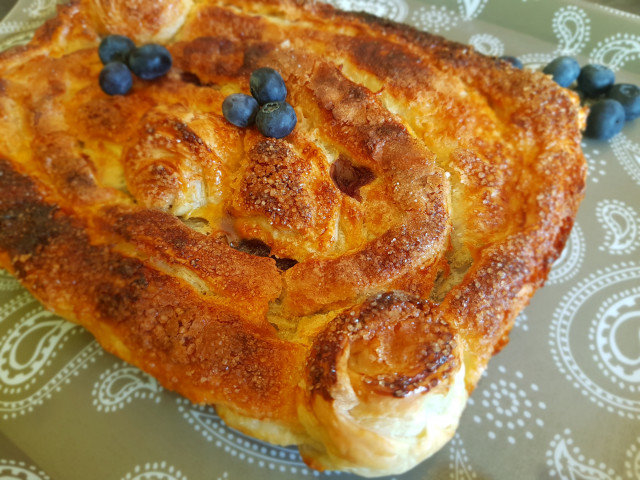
372 310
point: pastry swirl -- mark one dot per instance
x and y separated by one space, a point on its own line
341 289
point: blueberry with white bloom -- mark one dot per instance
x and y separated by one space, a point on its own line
564 70
629 97
240 109
595 80
276 119
267 86
115 48
605 120
150 61
115 79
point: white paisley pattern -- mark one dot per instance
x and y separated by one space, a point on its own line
20 361
567 463
155 471
7 282
570 260
13 470
596 163
572 28
393 9
40 8
506 408
621 225
12 407
470 9
632 461
522 321
487 44
28 349
121 384
12 28
628 154
435 19
619 13
17 29
459 466
13 40
617 51
255 452
612 294
614 332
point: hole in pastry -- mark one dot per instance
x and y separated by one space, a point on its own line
198 224
190 77
349 178
252 246
284 263
459 261
258 248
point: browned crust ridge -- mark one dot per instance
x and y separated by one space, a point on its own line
474 177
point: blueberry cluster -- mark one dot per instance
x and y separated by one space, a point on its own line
120 57
610 104
266 107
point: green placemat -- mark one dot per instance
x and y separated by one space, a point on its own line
561 401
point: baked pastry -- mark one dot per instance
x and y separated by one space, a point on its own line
341 289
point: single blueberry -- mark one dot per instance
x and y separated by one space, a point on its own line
267 86
629 97
516 62
605 120
276 119
115 48
564 70
240 109
150 61
595 80
115 79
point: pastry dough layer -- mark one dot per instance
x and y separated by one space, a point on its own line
342 288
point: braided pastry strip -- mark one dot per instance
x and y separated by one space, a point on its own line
363 327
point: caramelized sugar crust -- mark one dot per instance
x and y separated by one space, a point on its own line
412 213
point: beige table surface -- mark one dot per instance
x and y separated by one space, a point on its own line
632 6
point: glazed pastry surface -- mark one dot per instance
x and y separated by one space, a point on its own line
341 289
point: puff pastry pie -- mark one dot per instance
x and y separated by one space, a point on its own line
341 289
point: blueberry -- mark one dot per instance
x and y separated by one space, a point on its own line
267 86
276 119
115 79
595 80
629 97
605 119
115 48
564 70
513 61
240 109
150 61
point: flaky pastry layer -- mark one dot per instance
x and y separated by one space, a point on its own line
262 276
